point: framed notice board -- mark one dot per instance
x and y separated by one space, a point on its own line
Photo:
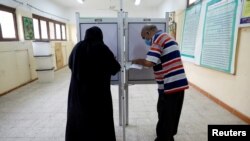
220 35
191 23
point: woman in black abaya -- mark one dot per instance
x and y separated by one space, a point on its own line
90 111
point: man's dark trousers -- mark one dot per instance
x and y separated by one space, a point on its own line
169 110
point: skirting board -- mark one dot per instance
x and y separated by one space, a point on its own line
222 104
4 93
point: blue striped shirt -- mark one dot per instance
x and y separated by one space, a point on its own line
169 71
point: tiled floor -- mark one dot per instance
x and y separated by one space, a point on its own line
37 112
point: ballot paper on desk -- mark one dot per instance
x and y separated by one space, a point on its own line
129 65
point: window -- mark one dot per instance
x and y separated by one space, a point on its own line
40 28
44 29
36 28
58 32
47 29
52 30
63 32
8 24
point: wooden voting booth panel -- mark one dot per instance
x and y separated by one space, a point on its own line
110 37
136 48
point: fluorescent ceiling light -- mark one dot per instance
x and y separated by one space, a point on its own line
80 1
137 2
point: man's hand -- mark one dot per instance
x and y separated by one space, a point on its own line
143 62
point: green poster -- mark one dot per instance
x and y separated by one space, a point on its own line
246 9
28 28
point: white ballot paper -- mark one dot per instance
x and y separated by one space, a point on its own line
129 65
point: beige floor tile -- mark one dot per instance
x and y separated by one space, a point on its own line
37 112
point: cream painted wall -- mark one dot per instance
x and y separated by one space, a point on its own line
51 9
15 67
233 90
73 33
170 6
133 11
17 64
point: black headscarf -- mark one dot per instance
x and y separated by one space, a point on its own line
94 35
87 52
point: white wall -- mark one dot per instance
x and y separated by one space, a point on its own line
171 5
54 11
132 12
17 64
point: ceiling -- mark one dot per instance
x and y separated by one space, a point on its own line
106 4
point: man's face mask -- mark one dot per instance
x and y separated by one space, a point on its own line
148 42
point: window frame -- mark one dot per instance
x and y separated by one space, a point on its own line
39 18
51 21
48 28
13 12
39 30
56 32
60 23
63 24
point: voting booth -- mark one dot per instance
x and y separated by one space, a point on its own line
123 36
137 49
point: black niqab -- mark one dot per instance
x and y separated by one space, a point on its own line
90 111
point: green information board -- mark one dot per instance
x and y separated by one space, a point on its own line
219 35
192 17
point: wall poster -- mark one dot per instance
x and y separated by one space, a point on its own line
220 35
192 17
28 28
245 15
